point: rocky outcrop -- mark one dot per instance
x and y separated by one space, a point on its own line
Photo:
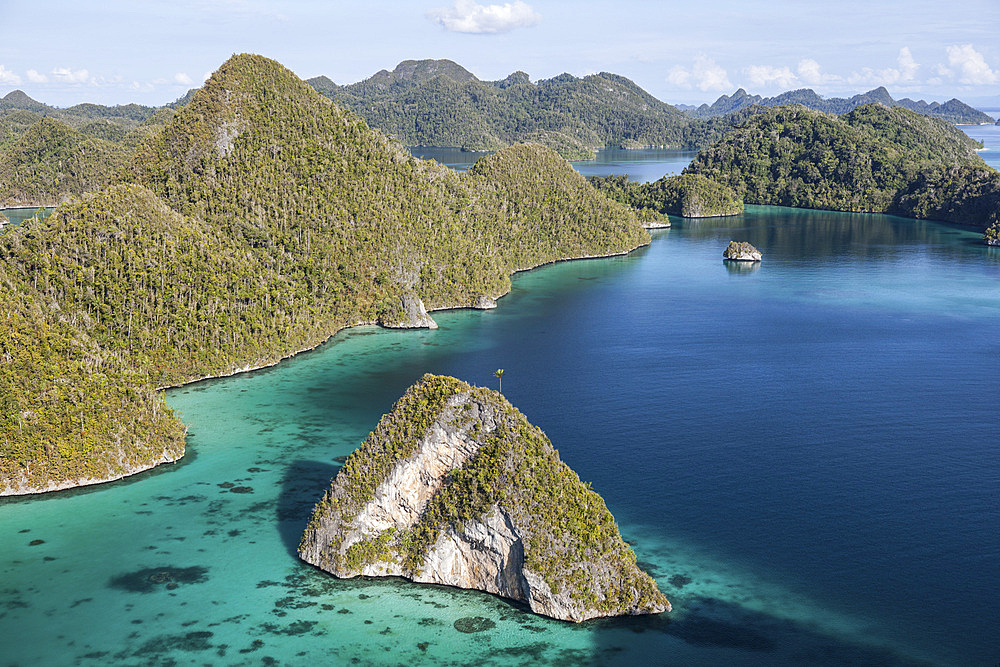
410 314
455 487
741 252
484 302
992 234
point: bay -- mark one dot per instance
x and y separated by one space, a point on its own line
803 453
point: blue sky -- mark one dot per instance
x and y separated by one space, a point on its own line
114 52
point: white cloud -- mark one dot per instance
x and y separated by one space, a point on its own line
811 73
36 77
8 77
183 79
705 74
765 75
971 65
710 76
67 75
679 76
907 65
467 16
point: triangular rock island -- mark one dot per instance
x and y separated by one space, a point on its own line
455 487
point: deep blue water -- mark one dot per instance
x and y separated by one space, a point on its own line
802 451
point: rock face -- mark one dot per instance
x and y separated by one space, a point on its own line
484 302
741 252
411 314
455 487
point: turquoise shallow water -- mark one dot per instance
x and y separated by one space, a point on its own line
803 453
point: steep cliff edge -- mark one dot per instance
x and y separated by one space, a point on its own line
455 487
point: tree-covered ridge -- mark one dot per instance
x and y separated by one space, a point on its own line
863 161
686 195
263 218
127 115
439 103
50 162
953 111
70 410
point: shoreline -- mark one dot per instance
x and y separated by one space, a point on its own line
16 491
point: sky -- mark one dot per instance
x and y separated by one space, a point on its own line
65 52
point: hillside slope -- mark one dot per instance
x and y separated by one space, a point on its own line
262 219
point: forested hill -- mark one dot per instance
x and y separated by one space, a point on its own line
259 221
127 115
953 111
440 103
876 159
51 162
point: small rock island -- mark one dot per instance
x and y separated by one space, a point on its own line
455 487
741 251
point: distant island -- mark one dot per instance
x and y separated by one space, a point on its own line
953 111
454 486
256 221
440 103
874 159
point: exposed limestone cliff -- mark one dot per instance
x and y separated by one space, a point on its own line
410 314
741 252
455 487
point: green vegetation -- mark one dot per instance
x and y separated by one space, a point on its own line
992 234
740 250
50 162
69 409
873 159
261 218
569 536
687 195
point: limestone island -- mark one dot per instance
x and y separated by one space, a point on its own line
455 487
741 251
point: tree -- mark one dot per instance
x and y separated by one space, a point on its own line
498 374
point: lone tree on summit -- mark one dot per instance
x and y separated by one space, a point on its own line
498 374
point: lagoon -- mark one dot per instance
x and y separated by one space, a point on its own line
802 452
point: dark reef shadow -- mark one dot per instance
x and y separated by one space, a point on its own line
718 624
302 485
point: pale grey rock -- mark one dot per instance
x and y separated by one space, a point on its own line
411 315
486 553
484 302
741 252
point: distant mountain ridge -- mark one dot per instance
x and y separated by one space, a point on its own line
79 114
953 111
440 103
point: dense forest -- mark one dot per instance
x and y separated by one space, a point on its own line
439 103
873 159
686 195
257 222
48 155
953 111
